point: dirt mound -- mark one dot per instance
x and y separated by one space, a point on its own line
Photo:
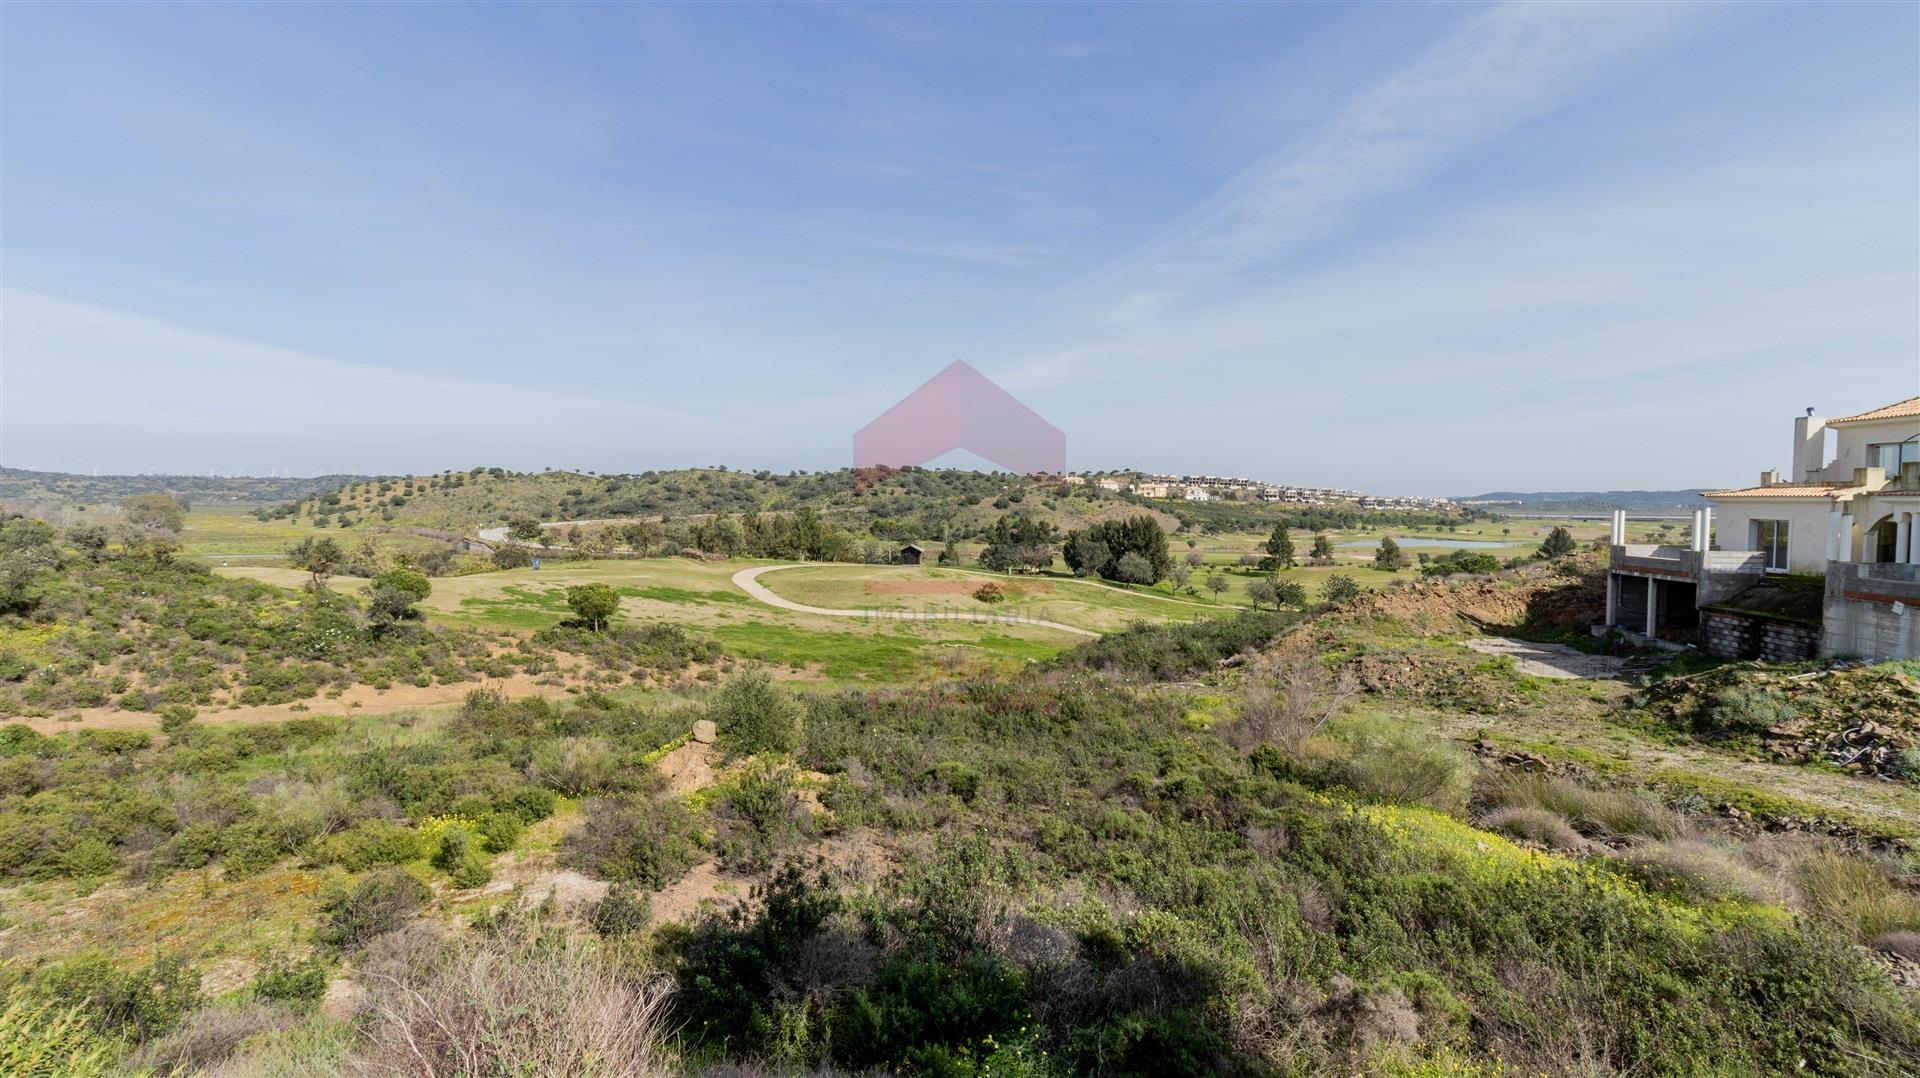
1572 597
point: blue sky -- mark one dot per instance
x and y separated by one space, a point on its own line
1411 249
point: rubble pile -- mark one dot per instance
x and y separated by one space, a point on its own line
1862 719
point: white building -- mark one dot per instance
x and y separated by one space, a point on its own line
1827 559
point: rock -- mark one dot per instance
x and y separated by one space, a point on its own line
703 731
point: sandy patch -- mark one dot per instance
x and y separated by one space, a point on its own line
689 767
703 885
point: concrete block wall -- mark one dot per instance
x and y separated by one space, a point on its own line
1744 636
1872 611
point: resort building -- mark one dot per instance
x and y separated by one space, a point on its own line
1825 560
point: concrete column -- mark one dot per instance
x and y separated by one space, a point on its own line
1613 599
1653 607
1912 547
1706 528
1843 537
1693 532
1902 535
1833 536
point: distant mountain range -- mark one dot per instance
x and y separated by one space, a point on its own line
20 485
1594 501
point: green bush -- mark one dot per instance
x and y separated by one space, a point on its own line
754 715
369 844
620 912
1744 709
382 901
300 985
643 841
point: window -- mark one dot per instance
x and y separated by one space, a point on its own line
1770 538
1891 455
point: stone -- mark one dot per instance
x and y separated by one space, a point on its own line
703 731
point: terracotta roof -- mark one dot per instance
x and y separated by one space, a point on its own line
1782 490
1901 410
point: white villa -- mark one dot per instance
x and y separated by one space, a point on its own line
1826 560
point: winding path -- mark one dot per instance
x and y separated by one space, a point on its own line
747 580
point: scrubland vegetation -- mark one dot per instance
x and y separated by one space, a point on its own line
1319 837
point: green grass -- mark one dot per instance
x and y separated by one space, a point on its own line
896 653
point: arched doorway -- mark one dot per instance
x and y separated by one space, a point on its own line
1880 540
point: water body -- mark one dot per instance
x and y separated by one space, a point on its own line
1422 542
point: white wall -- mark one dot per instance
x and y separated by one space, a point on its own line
1852 440
1806 528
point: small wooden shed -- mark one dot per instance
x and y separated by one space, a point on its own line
910 554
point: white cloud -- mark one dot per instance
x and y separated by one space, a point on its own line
76 374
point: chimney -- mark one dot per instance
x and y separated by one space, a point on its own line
1809 447
1770 477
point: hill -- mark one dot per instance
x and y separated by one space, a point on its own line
1591 501
63 488
903 504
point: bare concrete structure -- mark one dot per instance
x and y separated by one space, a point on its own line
1848 515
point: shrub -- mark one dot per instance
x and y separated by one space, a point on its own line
141 1003
990 592
620 912
647 842
369 843
1339 588
576 765
382 901
1595 813
1744 709
500 831
1407 767
300 985
41 1038
1544 826
764 813
1697 870
1904 943
459 856
1854 895
1177 651
495 1005
754 715
209 1036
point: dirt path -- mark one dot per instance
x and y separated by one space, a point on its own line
747 580
1548 660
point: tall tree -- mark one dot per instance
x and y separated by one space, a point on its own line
1559 544
321 557
155 513
1389 558
1279 549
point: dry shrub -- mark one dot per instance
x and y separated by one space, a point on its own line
1285 701
1904 943
1854 895
1699 870
1529 824
491 1005
1595 813
209 1036
1383 761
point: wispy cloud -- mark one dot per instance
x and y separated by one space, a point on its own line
1501 68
